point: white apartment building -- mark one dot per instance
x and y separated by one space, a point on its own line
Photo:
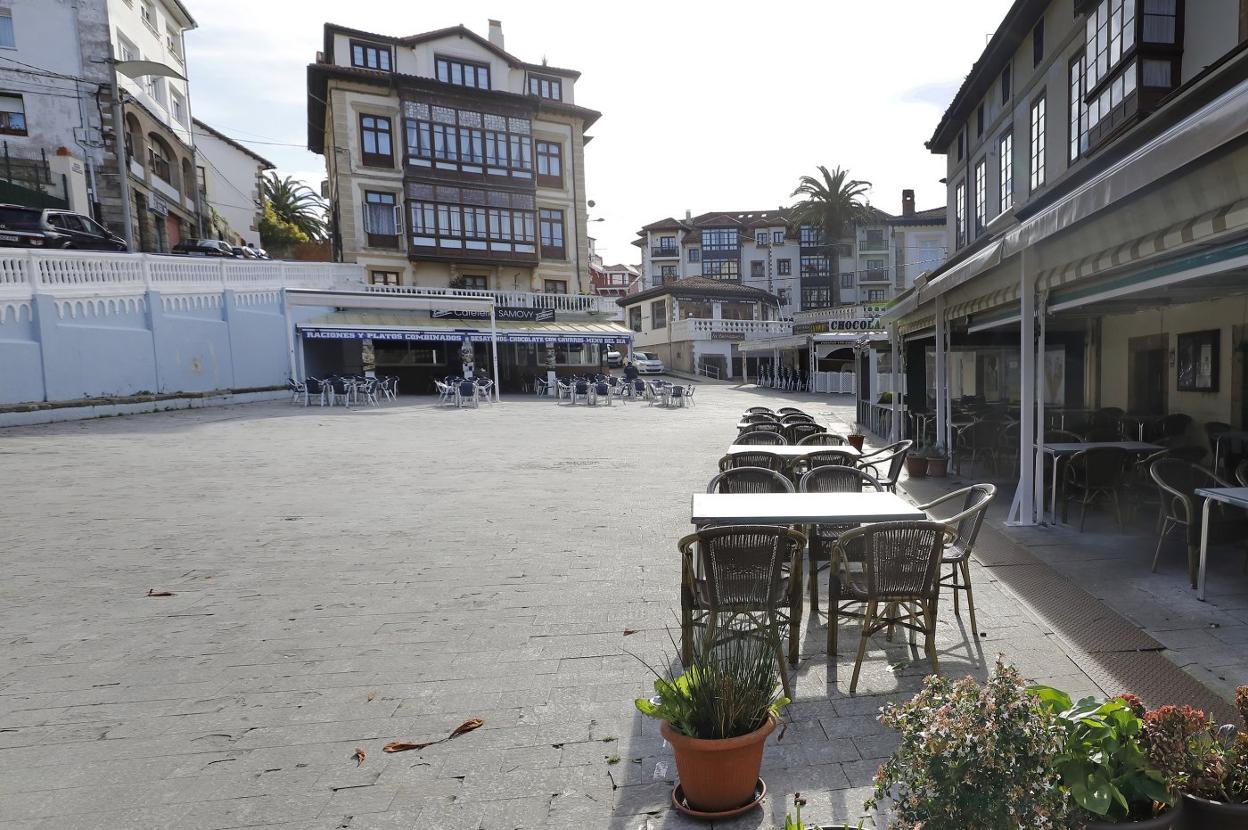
56 115
229 175
452 162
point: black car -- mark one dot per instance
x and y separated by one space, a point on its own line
31 227
205 247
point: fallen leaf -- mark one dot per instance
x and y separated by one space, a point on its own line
152 592
403 746
629 631
358 755
372 696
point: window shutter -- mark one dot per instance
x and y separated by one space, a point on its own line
398 220
368 217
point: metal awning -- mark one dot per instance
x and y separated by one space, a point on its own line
397 325
770 344
380 300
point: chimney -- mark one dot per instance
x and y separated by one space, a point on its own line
496 33
688 214
907 202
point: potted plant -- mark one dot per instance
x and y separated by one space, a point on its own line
916 463
1208 764
856 439
1105 766
937 462
973 756
717 715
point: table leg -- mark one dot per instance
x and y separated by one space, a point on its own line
1204 549
1053 489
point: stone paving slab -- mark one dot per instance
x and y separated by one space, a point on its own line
341 579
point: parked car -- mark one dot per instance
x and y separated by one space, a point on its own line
647 363
205 247
243 252
614 359
31 227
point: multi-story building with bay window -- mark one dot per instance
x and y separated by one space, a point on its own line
451 162
762 249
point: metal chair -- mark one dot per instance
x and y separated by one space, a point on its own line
465 393
827 439
739 572
898 584
1093 474
829 478
755 460
762 438
1178 480
957 554
893 456
798 430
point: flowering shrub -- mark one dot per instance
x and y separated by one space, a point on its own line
973 757
1197 756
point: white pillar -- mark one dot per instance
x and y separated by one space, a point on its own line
1041 348
290 338
494 348
942 385
895 363
1023 510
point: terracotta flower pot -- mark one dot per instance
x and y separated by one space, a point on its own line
916 466
856 441
718 775
1170 818
938 467
1212 815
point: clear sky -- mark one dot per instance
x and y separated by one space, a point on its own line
705 105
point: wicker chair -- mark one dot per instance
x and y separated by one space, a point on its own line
898 584
830 478
773 438
892 457
975 442
966 524
1241 473
832 456
1005 449
765 427
1093 474
760 418
789 410
1177 480
758 410
798 430
827 439
796 418
737 573
749 480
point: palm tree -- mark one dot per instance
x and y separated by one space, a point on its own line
295 203
833 203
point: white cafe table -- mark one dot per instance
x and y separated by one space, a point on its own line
1235 496
1059 450
794 450
802 508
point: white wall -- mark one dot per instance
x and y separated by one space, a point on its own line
230 179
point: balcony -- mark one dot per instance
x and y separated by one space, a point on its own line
693 328
873 275
873 246
602 307
665 252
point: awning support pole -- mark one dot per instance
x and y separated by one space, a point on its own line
1023 508
942 383
895 363
290 335
494 349
1041 347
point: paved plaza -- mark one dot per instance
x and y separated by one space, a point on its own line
339 580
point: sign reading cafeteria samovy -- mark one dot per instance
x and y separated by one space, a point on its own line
509 313
457 336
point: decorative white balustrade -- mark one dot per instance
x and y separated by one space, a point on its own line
91 274
574 303
693 328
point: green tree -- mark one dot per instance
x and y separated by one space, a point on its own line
277 235
295 204
833 203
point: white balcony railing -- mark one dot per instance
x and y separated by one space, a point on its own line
693 328
868 311
570 303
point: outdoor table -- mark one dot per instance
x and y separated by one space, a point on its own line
801 508
794 451
1235 496
1229 435
1058 450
